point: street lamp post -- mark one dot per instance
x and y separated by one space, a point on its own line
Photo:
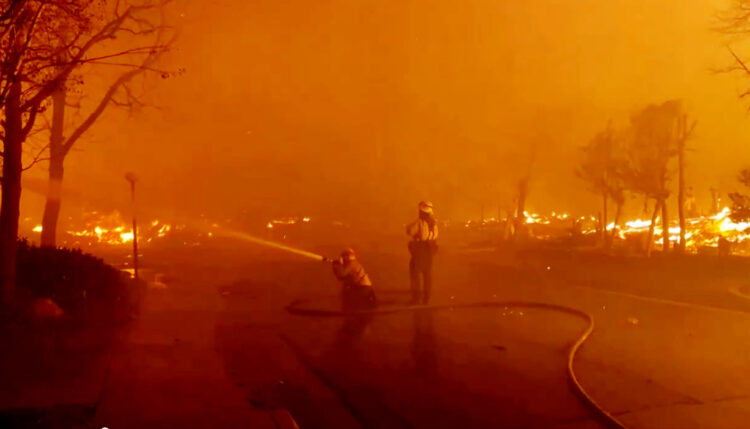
130 177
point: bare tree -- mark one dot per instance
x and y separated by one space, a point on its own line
43 42
150 35
522 187
601 167
618 196
682 133
653 143
740 202
734 23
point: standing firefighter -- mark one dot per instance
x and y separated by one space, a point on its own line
357 293
422 246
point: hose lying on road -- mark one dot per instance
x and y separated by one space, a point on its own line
298 308
738 291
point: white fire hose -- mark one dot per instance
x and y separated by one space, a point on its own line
298 308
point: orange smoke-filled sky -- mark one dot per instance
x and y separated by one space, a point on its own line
358 109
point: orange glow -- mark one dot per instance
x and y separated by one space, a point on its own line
703 231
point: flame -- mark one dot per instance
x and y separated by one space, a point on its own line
112 229
700 231
163 230
638 224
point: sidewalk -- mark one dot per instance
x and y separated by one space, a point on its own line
167 373
52 375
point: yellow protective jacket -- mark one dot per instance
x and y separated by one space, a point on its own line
420 230
351 273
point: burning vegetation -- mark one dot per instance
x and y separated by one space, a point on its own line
98 228
703 234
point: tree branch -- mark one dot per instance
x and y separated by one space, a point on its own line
51 85
739 61
30 121
27 42
108 96
140 50
136 66
37 158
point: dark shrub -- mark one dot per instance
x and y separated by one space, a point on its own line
81 284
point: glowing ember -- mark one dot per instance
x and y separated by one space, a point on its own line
288 221
163 230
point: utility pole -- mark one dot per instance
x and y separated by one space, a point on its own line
130 177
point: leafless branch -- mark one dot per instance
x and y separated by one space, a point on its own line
137 66
109 95
51 85
692 128
739 61
37 158
144 50
30 120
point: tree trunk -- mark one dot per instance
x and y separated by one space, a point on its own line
715 204
650 238
56 170
604 218
665 227
523 187
11 190
618 209
681 193
52 204
507 226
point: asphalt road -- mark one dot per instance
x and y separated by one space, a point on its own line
653 361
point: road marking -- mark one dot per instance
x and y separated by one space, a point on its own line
665 301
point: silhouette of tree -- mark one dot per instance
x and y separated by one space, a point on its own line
734 22
43 42
602 168
148 42
652 144
740 211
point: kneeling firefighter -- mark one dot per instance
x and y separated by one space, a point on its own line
356 293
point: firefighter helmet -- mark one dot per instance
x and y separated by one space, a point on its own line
425 206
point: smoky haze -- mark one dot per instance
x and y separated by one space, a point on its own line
359 109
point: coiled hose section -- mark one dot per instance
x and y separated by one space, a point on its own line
298 308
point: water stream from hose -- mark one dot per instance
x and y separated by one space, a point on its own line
247 237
